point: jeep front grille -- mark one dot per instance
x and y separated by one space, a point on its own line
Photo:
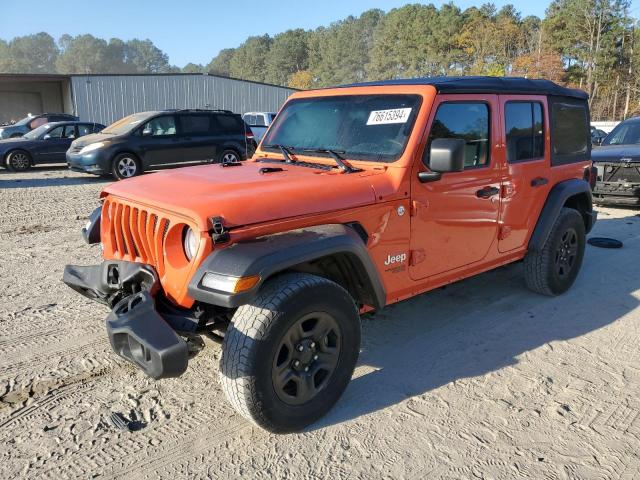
136 234
620 172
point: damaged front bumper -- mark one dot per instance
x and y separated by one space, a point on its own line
137 331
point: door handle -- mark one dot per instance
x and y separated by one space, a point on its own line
487 192
539 181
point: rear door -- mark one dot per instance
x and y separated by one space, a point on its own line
525 184
197 137
455 219
230 133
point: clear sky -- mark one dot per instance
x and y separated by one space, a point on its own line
196 30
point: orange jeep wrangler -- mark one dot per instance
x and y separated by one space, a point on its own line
358 197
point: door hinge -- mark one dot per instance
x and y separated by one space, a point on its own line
503 232
416 205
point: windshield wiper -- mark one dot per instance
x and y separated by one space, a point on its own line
334 154
286 152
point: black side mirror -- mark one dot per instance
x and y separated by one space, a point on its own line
445 155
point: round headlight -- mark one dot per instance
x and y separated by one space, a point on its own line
190 243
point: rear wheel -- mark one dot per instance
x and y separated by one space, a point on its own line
288 356
18 161
125 165
553 269
229 156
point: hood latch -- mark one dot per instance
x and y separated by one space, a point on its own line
219 234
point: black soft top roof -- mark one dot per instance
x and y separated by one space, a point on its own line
515 85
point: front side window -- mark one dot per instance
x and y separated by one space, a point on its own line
56 132
468 121
69 132
160 127
524 131
359 127
38 122
84 130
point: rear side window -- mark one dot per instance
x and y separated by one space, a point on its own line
231 124
255 120
524 130
468 121
570 132
195 124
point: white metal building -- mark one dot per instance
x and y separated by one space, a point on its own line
107 98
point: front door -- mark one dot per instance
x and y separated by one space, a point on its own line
159 141
53 146
454 219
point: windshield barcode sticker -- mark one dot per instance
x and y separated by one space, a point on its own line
395 115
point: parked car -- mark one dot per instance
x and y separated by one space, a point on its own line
358 197
617 160
159 139
597 136
46 144
32 122
259 122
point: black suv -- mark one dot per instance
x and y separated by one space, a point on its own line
149 140
618 163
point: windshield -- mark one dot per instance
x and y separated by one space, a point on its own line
126 124
627 133
37 132
360 127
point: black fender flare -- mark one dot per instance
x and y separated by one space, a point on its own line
557 199
268 255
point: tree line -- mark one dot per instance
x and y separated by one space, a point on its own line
589 44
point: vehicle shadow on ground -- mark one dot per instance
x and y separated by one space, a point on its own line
50 176
483 324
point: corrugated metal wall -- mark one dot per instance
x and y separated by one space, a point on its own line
107 98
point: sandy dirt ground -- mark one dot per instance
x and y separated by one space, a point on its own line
482 379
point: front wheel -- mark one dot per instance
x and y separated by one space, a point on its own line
18 161
125 165
289 354
553 269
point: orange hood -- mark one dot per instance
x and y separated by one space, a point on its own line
241 195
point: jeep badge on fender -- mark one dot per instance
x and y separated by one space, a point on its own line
283 252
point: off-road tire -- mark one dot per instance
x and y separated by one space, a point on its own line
255 336
15 161
117 164
540 269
